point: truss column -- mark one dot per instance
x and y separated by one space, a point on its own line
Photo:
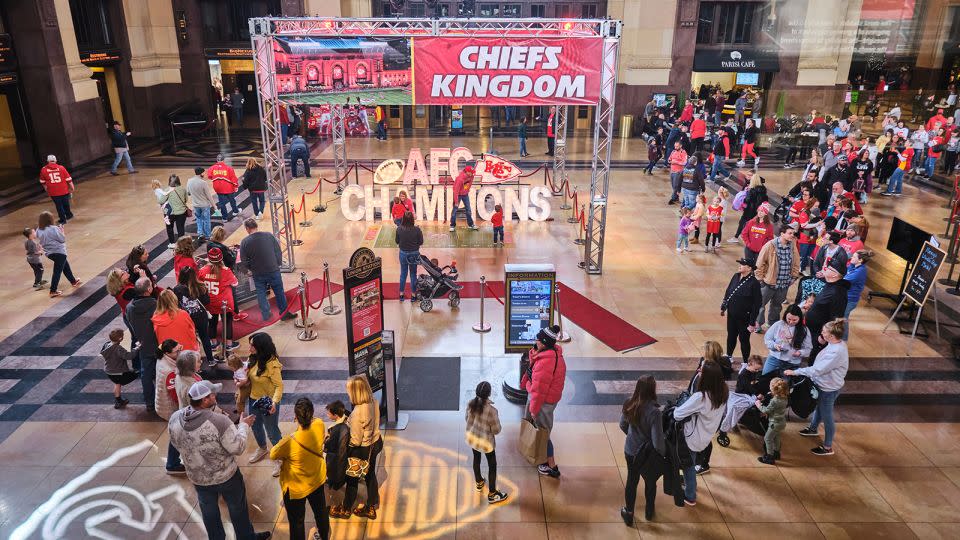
339 145
602 152
560 148
273 161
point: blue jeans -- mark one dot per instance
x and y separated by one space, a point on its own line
718 116
303 158
224 199
263 283
683 241
896 179
258 201
265 425
775 364
408 263
125 156
238 114
930 166
62 202
235 495
690 479
148 376
846 315
824 413
173 457
919 155
689 198
806 251
202 215
453 215
523 146
498 232
718 168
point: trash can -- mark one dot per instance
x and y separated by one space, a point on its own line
626 126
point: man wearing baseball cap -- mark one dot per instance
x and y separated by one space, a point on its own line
59 185
741 305
208 443
830 304
461 192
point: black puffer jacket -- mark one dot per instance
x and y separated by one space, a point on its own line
255 179
139 311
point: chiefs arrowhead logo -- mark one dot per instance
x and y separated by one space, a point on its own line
495 170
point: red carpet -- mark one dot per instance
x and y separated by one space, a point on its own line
253 322
471 289
613 331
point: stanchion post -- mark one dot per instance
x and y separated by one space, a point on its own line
565 205
482 326
579 240
303 320
563 337
224 340
320 207
293 223
303 204
356 173
331 308
573 208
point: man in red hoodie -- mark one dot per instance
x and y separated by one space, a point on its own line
461 192
698 132
59 185
225 183
939 117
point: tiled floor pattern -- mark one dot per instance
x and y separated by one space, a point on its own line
864 491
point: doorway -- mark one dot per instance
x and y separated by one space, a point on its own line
17 151
109 93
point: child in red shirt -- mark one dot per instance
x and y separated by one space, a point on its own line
714 214
183 256
219 280
497 221
397 211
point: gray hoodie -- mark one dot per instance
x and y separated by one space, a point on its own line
208 443
201 192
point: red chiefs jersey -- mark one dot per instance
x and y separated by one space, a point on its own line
224 178
219 290
171 386
55 179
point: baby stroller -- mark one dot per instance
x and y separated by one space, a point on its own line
802 401
436 283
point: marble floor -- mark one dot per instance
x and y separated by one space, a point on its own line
896 473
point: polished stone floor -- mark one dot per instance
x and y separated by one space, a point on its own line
896 473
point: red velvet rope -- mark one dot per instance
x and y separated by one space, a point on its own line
493 294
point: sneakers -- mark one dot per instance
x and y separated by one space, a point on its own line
626 516
452 229
77 283
767 459
261 453
54 294
496 496
38 286
338 512
368 512
402 297
264 535
807 432
276 468
688 502
120 403
259 217
178 470
886 194
546 470
240 316
233 346
287 316
702 469
679 250
822 451
733 240
480 484
171 246
474 228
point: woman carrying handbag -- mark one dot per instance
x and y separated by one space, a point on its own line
644 447
365 445
543 382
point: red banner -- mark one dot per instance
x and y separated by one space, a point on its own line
497 71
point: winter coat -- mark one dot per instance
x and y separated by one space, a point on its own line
255 179
704 423
208 443
483 428
303 468
364 423
165 404
768 266
139 313
544 381
335 448
116 359
267 384
742 301
178 327
829 304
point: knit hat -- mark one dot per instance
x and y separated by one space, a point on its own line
468 169
547 336
214 255
202 389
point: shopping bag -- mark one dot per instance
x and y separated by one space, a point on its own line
532 442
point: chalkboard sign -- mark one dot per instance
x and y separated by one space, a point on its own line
924 273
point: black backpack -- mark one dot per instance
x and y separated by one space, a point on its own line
803 396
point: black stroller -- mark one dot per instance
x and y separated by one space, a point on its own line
436 283
802 401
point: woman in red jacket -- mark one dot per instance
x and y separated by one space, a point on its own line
757 232
171 322
543 382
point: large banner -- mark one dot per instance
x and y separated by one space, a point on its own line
494 71
439 71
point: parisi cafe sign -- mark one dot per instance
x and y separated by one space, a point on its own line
434 199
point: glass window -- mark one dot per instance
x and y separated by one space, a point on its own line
386 9
565 11
724 22
227 20
417 9
538 10
705 23
443 10
489 10
511 10
588 11
91 23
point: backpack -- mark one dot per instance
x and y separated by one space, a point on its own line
803 396
740 201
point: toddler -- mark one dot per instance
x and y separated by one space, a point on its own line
683 233
699 211
497 221
776 413
116 364
397 211
483 425
239 369
714 215
748 388
34 251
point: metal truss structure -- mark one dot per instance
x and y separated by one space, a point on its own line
265 30
339 144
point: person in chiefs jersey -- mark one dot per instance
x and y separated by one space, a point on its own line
59 185
225 183
219 279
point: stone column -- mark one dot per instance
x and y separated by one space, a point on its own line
356 8
62 100
646 50
154 55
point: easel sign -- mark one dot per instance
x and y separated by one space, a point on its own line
920 285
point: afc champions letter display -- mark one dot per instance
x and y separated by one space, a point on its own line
363 296
529 303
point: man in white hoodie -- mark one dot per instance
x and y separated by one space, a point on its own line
209 443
